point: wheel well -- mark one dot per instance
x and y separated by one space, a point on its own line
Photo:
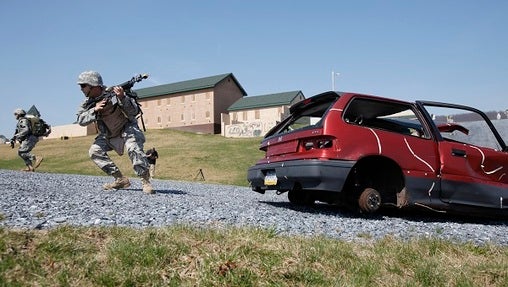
378 172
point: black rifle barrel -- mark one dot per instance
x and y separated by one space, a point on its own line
127 85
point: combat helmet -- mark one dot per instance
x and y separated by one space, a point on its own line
19 112
91 78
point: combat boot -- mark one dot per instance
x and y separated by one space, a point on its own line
145 181
38 160
28 168
121 182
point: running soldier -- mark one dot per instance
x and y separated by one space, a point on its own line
115 114
27 141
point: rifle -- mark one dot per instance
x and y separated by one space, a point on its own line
127 86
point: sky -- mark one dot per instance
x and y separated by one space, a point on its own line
440 50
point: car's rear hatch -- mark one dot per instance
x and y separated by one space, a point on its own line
300 135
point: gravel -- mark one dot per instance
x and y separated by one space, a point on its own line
46 200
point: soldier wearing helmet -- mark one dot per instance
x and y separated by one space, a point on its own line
27 141
115 115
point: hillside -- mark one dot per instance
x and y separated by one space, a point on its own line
182 156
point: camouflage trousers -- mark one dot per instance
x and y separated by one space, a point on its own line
132 139
26 147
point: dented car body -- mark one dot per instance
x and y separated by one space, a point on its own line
369 152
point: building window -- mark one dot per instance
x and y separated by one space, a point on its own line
169 119
158 120
158 102
183 99
168 101
244 115
207 114
181 117
256 114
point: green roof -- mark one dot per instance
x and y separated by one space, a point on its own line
186 86
264 101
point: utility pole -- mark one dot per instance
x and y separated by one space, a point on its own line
333 79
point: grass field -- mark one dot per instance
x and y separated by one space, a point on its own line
190 256
181 156
184 256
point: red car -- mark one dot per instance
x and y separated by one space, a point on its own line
369 152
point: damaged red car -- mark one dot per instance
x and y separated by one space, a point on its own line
370 152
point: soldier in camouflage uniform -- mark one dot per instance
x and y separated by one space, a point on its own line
26 140
115 115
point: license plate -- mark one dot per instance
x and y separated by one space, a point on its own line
270 178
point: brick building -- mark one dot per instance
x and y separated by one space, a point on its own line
194 105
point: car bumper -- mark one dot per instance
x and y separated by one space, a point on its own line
327 175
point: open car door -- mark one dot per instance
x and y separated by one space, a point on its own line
473 156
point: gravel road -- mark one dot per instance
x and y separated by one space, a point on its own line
46 200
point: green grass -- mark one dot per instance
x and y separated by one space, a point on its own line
189 256
184 256
181 156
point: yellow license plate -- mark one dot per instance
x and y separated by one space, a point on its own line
271 178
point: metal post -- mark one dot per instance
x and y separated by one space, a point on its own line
333 79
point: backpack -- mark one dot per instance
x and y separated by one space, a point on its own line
38 126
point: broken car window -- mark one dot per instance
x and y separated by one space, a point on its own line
389 116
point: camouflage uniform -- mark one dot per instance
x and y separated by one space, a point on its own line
27 141
118 129
131 137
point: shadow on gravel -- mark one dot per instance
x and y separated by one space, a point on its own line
318 208
429 216
409 215
165 191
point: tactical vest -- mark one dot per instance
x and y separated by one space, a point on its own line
114 118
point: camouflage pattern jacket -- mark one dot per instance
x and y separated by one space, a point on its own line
116 116
23 129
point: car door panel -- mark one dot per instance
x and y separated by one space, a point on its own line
472 175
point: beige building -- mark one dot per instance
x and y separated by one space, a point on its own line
70 131
254 116
65 131
193 105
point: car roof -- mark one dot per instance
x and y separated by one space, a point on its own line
333 95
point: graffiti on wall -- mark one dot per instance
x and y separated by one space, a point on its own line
250 129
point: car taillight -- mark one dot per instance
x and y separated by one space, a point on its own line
317 143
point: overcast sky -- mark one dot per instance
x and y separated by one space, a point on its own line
452 51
